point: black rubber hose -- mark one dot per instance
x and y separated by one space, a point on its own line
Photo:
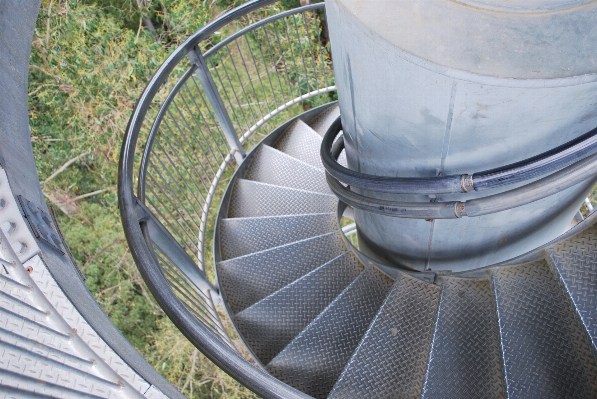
549 185
541 165
423 185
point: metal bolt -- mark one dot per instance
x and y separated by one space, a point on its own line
20 247
29 269
8 227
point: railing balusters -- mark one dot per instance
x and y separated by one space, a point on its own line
216 102
183 175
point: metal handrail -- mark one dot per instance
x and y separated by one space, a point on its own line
200 129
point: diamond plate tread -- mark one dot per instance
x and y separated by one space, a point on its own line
392 357
547 353
15 385
322 122
48 286
243 236
576 262
270 324
313 361
250 198
466 357
301 142
19 360
248 279
275 167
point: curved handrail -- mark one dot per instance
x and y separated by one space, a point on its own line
566 177
541 165
138 226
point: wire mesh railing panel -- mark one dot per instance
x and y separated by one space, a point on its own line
272 65
215 97
199 303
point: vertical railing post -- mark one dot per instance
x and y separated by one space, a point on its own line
214 98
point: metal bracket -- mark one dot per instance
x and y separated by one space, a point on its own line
13 224
41 224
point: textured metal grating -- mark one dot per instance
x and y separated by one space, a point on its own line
250 198
391 359
301 142
269 325
248 279
547 353
243 236
275 167
313 361
576 261
322 122
466 357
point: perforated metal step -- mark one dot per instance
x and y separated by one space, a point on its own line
313 361
248 279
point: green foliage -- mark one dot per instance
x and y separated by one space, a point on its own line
90 61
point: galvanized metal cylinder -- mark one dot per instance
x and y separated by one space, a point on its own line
432 87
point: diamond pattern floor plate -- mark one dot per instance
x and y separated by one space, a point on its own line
248 279
322 122
547 353
301 142
391 359
313 361
243 236
275 167
466 357
251 198
269 325
576 261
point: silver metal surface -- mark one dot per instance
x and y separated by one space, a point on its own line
270 324
547 353
243 236
313 361
575 259
275 167
391 358
301 142
322 122
466 357
20 237
53 349
214 98
250 199
248 279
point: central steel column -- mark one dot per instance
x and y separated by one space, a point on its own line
430 87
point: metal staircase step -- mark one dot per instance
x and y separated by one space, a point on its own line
275 167
301 142
466 357
391 359
547 352
243 236
322 122
576 261
270 324
248 279
250 198
313 361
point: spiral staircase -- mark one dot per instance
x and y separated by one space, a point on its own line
222 221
